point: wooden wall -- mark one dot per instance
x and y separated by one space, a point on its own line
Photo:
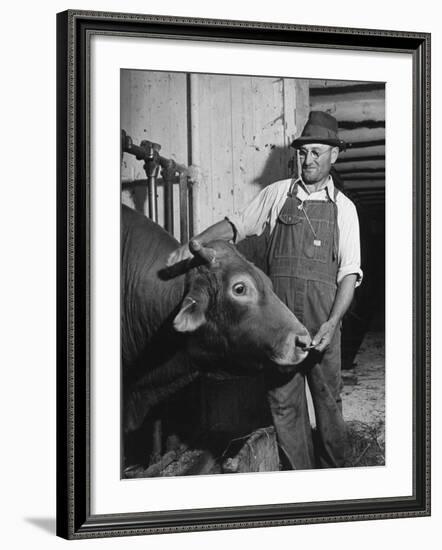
245 127
234 130
153 107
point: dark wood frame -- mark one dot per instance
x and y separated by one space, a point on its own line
74 519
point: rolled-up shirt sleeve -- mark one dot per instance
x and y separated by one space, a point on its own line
252 219
349 242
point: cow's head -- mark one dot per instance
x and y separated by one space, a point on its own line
230 307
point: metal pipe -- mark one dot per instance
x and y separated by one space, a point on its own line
194 123
191 209
151 168
141 151
168 173
184 209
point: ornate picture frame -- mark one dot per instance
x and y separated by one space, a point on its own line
75 516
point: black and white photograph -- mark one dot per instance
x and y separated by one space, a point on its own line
243 306
252 273
221 272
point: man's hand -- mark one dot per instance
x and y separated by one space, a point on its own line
324 336
342 301
221 230
178 255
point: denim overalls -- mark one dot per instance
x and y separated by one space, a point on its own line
303 265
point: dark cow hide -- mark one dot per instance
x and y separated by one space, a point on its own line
204 313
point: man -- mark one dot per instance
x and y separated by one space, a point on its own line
313 261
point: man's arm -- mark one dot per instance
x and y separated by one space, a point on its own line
250 221
344 296
222 230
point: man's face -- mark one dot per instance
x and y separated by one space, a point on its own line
316 161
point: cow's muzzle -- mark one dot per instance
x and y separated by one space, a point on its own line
294 349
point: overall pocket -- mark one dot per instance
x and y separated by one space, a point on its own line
290 235
295 238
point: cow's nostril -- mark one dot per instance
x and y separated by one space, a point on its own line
303 341
301 344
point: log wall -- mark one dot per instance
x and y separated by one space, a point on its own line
360 110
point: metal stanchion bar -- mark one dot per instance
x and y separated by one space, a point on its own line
184 209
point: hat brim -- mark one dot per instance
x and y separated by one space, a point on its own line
308 140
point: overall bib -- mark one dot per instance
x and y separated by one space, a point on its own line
303 265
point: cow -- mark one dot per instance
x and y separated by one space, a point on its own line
214 309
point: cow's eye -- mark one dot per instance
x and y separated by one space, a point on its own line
239 289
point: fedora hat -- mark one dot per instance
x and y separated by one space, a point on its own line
320 128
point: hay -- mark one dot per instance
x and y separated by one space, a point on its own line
366 444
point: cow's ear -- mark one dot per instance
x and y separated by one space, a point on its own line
191 314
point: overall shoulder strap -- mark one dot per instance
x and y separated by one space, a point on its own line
336 228
293 189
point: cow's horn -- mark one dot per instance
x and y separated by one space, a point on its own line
204 252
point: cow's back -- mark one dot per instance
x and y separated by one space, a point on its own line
147 300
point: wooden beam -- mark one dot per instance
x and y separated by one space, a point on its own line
355 109
354 125
372 198
329 87
370 190
342 168
348 99
367 184
330 83
362 134
357 172
355 185
361 158
357 196
376 150
371 202
365 177
373 143
370 195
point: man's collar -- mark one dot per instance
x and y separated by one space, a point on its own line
329 187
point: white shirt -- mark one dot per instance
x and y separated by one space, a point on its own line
267 205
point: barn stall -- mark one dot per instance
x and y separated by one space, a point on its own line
196 147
